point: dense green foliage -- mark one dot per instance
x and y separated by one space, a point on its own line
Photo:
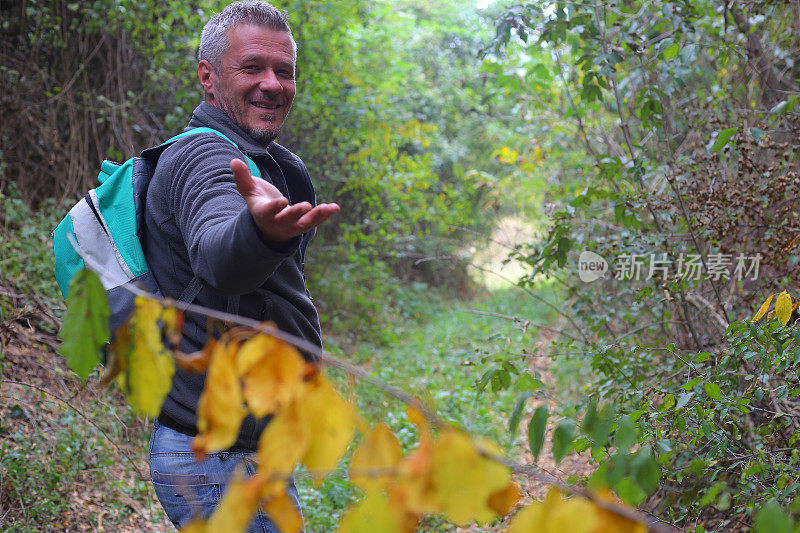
667 131
390 118
660 131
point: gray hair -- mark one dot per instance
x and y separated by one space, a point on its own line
213 40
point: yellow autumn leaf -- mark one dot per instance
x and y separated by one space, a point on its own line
370 515
145 367
783 307
272 373
463 480
412 490
556 515
331 421
280 447
375 459
195 526
220 410
283 513
238 505
611 522
763 309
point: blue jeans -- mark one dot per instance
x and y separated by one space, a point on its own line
187 488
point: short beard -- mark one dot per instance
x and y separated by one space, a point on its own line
263 136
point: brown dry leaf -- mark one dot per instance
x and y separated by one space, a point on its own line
173 321
272 372
116 362
370 515
331 421
193 363
280 447
145 367
463 480
238 505
283 513
556 515
220 410
375 459
503 500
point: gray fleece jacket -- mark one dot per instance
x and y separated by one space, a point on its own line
197 224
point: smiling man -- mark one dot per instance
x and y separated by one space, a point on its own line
224 239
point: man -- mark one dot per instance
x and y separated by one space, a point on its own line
236 241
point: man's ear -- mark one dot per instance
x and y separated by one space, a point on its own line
205 72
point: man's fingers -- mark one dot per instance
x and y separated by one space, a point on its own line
292 214
241 175
317 216
268 210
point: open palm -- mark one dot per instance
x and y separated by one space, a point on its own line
273 215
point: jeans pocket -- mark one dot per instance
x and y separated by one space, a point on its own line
184 497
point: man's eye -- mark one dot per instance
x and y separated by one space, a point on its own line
250 68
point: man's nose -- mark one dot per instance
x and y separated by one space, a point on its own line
269 82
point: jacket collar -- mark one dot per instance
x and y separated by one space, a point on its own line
207 115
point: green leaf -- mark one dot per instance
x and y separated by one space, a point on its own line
722 139
668 403
683 399
702 357
630 492
671 51
780 108
626 433
645 470
712 390
562 438
84 328
711 496
757 133
690 384
597 423
536 430
772 519
516 414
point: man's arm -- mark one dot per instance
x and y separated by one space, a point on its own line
227 248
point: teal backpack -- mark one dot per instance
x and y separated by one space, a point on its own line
107 226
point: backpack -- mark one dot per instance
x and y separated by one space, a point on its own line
107 225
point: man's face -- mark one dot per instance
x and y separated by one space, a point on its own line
254 84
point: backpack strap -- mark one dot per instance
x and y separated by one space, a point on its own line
193 289
195 286
203 129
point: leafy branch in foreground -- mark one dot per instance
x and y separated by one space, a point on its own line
254 368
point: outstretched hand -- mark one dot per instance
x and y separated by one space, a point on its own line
273 215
